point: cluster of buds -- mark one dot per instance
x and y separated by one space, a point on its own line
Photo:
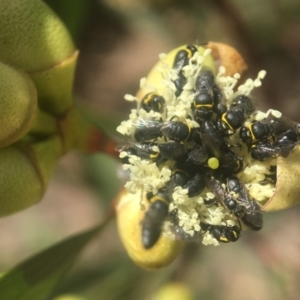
39 122
201 160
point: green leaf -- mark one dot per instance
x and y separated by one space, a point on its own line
36 277
104 177
108 122
73 14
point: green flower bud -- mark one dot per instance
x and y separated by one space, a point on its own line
33 38
25 170
54 86
18 101
43 124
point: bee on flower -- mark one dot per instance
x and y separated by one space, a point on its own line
217 152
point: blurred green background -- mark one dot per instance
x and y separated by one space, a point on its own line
119 41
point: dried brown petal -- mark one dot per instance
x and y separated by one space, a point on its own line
287 191
227 56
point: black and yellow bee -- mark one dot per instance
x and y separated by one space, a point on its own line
154 218
152 129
